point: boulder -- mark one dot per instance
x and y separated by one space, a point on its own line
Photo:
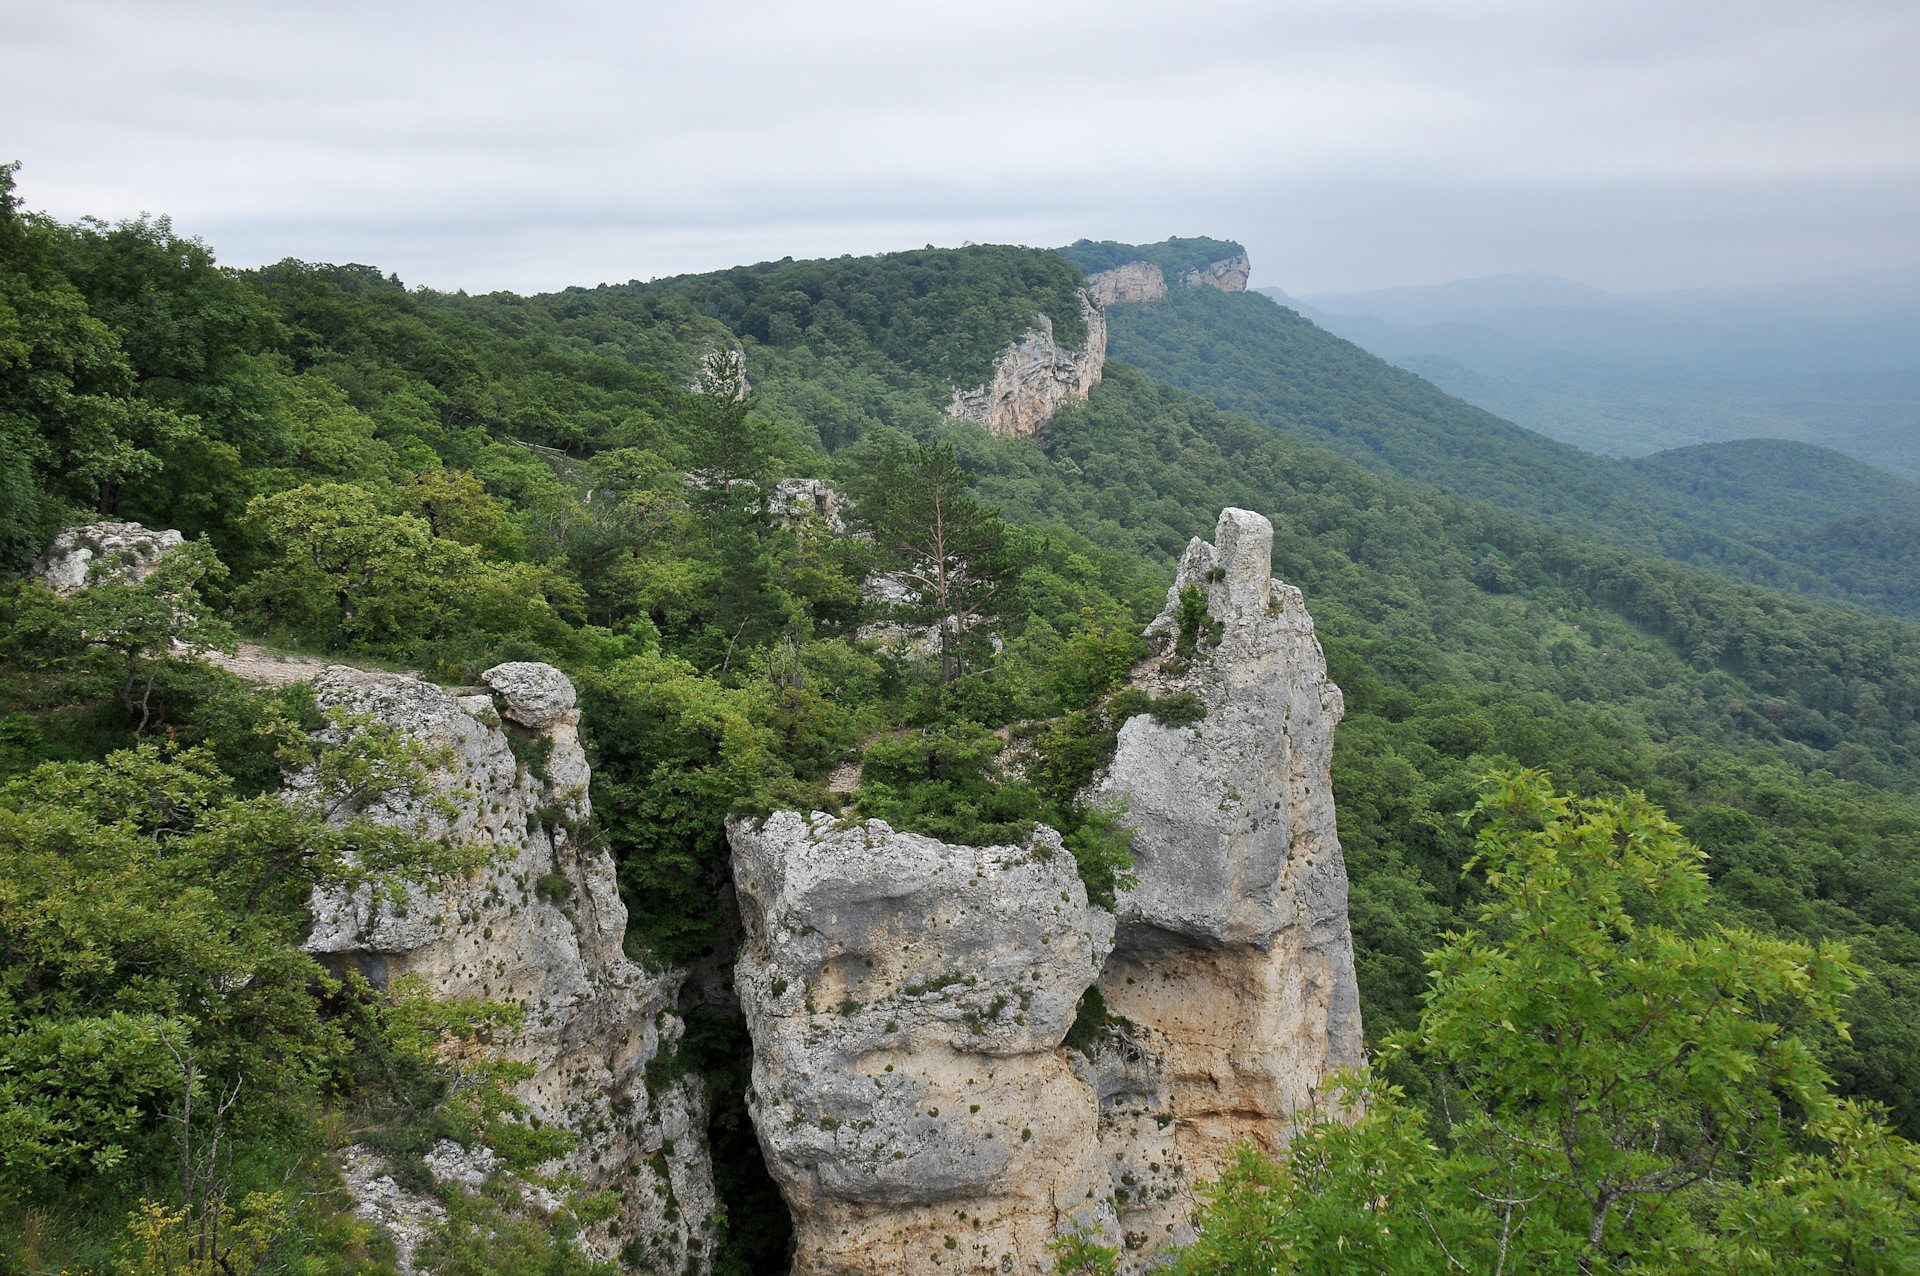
534 695
907 1000
124 553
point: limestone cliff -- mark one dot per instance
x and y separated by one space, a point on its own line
1128 284
1034 376
907 1001
1134 282
1228 275
1233 960
541 926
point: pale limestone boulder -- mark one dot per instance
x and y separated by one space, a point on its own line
1233 958
1130 283
124 553
534 695
907 1001
542 926
1034 376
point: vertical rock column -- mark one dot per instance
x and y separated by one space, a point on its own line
907 1001
1233 960
541 926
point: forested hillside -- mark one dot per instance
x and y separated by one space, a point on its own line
1250 355
441 482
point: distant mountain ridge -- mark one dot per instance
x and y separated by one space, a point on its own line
1722 508
1832 361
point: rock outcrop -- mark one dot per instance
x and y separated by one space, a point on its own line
124 553
542 926
1127 284
1134 282
907 1000
1233 959
1034 376
1228 274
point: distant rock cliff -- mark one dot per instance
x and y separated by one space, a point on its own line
1134 282
1228 275
1034 376
1139 281
908 1000
543 927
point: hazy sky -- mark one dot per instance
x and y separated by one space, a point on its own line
1629 144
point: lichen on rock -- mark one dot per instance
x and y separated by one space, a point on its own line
542 926
908 999
124 553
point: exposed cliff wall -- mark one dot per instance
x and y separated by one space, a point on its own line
1233 959
1127 284
542 926
1141 281
1228 275
1034 376
907 1000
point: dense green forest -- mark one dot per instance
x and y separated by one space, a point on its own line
1251 355
443 481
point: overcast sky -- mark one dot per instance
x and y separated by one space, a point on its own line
1629 144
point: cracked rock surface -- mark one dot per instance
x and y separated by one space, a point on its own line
1233 958
907 1000
542 925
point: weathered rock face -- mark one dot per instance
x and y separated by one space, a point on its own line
541 926
1126 284
1228 275
907 1001
1033 377
1233 958
125 553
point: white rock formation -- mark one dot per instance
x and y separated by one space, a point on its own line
1233 958
1034 376
1228 275
534 695
1127 284
125 553
907 1001
542 926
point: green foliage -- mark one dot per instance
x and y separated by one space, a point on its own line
1622 1086
944 313
1175 257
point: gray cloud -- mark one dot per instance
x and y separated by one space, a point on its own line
1631 144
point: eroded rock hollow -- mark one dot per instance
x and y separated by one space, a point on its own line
909 1000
